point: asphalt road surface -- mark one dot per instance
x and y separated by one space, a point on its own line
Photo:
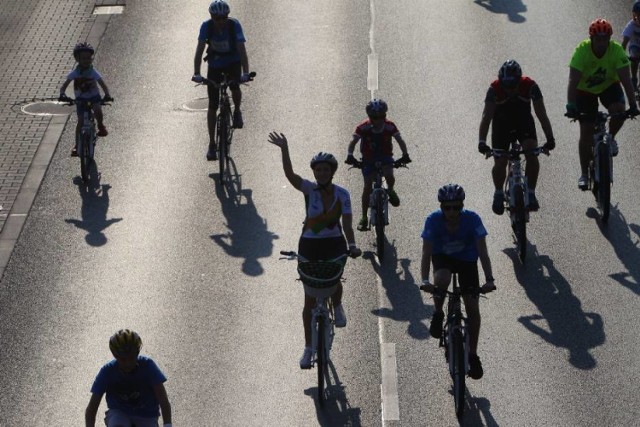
153 244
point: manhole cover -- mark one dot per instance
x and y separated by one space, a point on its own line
47 108
198 104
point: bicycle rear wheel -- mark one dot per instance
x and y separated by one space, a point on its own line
380 220
604 181
321 361
459 373
520 223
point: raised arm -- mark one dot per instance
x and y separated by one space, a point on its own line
280 140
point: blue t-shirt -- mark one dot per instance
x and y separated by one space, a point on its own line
222 43
131 392
460 245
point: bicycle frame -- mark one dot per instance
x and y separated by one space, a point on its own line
601 137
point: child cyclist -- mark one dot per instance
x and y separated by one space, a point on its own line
85 80
375 135
133 385
631 39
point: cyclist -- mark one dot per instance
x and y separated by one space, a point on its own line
507 106
375 134
327 223
631 39
226 53
133 385
453 239
597 68
85 80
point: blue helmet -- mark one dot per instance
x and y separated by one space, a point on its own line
83 47
323 157
451 193
219 8
376 107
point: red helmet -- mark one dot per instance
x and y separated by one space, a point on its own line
600 27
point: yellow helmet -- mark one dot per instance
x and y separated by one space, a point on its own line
125 341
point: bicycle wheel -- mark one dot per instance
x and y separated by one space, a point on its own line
604 181
380 227
321 360
520 223
459 373
222 145
85 155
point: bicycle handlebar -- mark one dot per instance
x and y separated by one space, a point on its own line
228 82
514 153
442 292
396 164
601 114
71 101
294 255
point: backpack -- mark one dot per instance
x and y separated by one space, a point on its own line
232 32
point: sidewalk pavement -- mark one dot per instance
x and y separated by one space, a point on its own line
36 44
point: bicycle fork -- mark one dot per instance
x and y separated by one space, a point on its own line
606 139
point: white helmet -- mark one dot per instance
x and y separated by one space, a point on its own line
219 8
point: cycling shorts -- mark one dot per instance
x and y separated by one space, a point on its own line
116 417
322 249
369 167
232 71
505 132
80 106
587 103
467 270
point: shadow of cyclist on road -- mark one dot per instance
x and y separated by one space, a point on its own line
402 291
248 236
478 413
337 410
511 8
562 321
95 204
626 246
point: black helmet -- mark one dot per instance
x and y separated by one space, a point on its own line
451 193
510 73
83 47
323 157
376 107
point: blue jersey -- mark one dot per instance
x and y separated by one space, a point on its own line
131 392
224 48
461 244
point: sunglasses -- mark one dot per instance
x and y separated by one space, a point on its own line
451 207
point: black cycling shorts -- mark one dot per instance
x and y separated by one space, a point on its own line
506 131
322 249
232 71
467 270
587 103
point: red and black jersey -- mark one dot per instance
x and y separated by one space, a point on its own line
376 144
516 104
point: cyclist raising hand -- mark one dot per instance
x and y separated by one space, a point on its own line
328 220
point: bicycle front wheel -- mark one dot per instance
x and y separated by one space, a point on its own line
459 373
380 220
223 128
85 155
604 181
520 222
321 361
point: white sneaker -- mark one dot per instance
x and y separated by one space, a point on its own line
340 318
305 360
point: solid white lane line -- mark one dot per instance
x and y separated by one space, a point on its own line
372 59
389 368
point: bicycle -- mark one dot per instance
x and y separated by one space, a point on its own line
379 203
320 280
86 138
516 192
455 339
600 170
224 128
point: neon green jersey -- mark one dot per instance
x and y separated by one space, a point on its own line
598 73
